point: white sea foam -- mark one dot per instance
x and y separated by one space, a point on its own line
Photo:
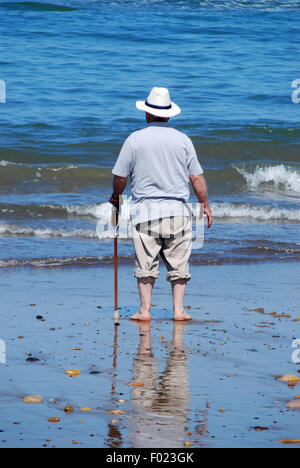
52 262
275 177
13 230
103 212
4 163
256 213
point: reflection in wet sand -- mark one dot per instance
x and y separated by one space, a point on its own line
114 437
161 406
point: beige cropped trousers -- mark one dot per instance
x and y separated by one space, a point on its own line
167 238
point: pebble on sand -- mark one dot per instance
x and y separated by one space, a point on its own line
69 409
188 443
292 379
294 404
137 384
290 441
116 411
54 420
33 399
260 429
72 372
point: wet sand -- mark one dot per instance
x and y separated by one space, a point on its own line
212 382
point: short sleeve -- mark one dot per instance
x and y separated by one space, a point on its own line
194 166
123 165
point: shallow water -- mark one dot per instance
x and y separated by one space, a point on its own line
73 71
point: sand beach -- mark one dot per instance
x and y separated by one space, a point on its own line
213 382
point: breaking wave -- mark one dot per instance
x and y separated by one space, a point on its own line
21 231
266 177
255 213
103 211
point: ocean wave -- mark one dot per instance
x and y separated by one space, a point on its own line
270 177
52 211
243 255
29 178
225 211
37 6
56 262
246 211
21 231
68 5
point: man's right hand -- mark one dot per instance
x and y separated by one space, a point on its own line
115 201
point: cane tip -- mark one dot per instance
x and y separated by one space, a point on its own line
116 317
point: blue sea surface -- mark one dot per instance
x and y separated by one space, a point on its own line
73 71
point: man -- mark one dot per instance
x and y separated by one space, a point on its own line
160 162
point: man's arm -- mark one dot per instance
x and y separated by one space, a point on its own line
200 189
119 184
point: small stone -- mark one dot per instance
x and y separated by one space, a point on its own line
116 411
73 372
294 404
69 409
290 441
54 420
261 429
290 379
137 384
188 443
33 399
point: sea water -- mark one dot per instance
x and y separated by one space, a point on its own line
70 74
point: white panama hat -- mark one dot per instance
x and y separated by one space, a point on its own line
159 103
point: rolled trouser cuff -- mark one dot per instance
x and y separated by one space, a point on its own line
178 275
145 274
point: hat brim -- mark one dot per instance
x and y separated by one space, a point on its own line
165 113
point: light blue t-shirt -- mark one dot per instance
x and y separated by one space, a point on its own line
159 160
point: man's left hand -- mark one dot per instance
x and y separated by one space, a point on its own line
208 213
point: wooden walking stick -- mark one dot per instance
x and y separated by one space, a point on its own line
116 316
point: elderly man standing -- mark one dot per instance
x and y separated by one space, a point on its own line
160 162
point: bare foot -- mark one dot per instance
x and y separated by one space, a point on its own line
141 317
182 317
